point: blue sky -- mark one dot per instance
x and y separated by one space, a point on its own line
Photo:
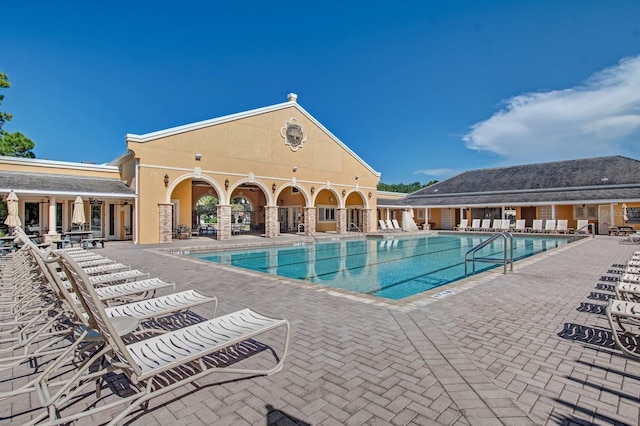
420 90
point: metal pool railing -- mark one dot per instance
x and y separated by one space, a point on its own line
507 253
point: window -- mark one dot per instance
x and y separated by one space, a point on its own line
585 212
32 214
326 214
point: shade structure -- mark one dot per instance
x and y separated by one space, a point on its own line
13 218
78 217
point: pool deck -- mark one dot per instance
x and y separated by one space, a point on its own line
529 347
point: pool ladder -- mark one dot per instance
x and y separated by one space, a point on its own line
507 252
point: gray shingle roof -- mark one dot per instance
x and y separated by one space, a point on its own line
62 184
584 180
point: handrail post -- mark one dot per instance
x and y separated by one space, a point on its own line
504 249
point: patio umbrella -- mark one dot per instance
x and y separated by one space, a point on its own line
78 212
12 219
624 212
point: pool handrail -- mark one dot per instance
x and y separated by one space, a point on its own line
506 236
590 229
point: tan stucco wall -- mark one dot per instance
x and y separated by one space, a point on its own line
247 150
69 169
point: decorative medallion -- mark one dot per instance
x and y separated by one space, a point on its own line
293 134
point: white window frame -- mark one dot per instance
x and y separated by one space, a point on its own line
322 213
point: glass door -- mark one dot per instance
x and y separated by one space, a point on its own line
283 217
296 214
96 219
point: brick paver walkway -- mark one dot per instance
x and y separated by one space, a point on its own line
529 347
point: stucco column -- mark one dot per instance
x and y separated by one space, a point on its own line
271 224
52 216
309 220
224 222
165 222
367 221
53 232
341 222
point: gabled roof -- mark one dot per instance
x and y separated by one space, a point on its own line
63 185
599 179
147 137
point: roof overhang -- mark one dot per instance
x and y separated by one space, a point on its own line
53 185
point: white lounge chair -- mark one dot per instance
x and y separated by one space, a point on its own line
537 226
520 226
383 225
95 262
550 226
182 354
497 225
628 291
623 313
475 225
395 224
582 227
486 225
562 226
463 226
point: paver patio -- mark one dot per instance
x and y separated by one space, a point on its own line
529 347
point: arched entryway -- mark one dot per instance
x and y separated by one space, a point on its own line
327 211
357 219
248 214
291 204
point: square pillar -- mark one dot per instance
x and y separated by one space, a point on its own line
165 221
309 220
224 222
367 221
341 222
271 223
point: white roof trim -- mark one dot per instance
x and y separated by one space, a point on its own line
147 137
51 163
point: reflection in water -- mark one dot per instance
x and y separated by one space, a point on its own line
394 268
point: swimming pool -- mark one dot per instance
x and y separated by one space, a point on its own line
389 268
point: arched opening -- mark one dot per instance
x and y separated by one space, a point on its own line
326 203
248 202
355 204
291 204
206 215
241 215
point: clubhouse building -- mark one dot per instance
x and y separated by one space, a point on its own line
277 169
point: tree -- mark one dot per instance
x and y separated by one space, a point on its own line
404 188
206 209
16 145
12 144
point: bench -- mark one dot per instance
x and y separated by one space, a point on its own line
94 241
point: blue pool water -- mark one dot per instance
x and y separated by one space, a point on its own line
392 269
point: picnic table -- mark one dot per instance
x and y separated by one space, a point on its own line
82 237
621 230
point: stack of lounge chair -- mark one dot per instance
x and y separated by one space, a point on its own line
77 319
623 312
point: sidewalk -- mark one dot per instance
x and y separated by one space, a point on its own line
529 347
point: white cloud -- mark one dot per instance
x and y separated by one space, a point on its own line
598 118
437 172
